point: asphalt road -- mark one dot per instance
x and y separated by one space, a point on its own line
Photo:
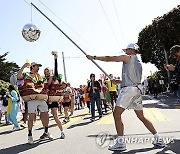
85 137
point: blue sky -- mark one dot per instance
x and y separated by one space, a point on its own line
87 26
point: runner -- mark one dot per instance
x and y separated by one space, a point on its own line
66 101
31 79
72 99
54 105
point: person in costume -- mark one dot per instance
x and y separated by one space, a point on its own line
67 94
31 91
72 99
54 104
13 107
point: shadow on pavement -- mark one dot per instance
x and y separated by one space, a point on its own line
24 147
79 124
171 147
113 136
136 150
163 101
10 131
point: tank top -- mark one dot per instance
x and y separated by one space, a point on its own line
131 72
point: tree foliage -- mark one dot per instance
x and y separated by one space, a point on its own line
6 68
156 39
3 86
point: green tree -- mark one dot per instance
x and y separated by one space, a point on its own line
6 68
3 86
160 36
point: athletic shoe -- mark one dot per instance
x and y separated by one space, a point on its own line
118 146
66 119
24 125
159 142
30 140
62 135
45 136
16 128
8 123
71 114
92 119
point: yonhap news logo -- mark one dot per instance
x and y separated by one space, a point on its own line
104 139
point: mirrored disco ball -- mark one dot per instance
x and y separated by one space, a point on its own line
30 32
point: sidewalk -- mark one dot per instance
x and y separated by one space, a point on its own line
165 100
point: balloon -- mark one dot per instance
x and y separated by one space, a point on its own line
30 32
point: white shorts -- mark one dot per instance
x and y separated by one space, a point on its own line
130 98
33 105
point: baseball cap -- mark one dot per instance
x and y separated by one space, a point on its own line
173 50
34 63
132 46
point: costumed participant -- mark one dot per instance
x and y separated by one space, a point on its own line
13 107
35 92
67 94
72 99
55 87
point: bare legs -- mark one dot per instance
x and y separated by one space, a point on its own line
119 124
145 121
55 115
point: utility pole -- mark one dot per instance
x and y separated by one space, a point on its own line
65 78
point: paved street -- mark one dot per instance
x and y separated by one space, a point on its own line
85 137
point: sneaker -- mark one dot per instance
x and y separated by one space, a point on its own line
15 128
118 146
92 119
100 116
34 123
71 114
45 136
159 142
62 135
30 140
8 123
24 125
66 119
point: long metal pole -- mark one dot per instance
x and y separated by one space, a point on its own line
70 39
65 77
